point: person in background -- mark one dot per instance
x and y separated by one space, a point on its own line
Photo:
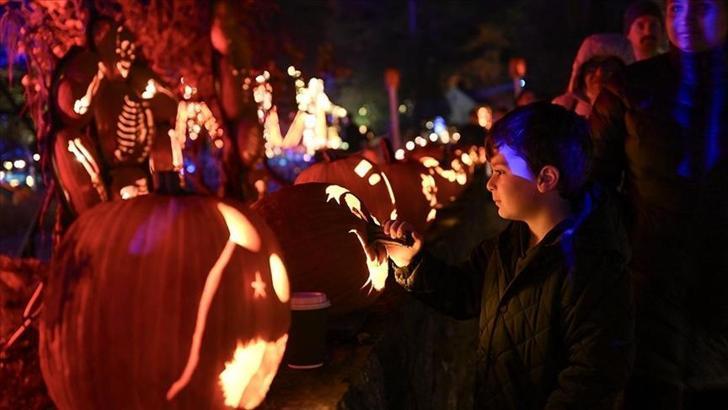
551 291
526 97
461 104
600 58
643 27
661 140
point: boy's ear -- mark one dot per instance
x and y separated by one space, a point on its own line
548 179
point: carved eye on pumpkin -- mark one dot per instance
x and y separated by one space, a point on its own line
179 312
362 178
378 271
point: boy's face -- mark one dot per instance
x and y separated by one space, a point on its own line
512 185
696 25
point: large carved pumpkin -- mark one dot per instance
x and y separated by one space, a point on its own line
164 302
322 229
361 177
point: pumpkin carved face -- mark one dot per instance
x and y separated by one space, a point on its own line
171 302
322 229
361 177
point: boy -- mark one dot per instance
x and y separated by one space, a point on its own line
551 291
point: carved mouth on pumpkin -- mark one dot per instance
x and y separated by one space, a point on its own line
258 358
255 361
377 271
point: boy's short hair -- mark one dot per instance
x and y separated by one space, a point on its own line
546 134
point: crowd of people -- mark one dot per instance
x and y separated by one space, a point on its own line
609 288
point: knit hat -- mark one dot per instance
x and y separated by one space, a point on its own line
639 9
601 45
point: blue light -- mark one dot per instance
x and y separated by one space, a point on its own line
191 168
523 83
439 125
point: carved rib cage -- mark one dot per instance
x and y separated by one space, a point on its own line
134 130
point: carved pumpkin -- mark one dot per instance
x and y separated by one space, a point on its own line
450 174
321 229
415 192
361 177
164 302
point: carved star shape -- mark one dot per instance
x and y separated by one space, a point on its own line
259 286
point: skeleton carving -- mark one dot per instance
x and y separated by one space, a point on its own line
134 131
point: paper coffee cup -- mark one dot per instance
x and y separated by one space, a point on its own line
307 337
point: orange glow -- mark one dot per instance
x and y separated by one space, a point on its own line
374 179
467 160
362 168
150 90
429 189
377 271
75 147
389 188
429 162
431 216
337 192
258 287
242 232
247 377
208 293
485 117
82 105
279 276
456 174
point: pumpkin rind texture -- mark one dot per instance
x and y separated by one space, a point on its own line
164 302
361 177
321 240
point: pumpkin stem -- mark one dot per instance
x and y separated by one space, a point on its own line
168 183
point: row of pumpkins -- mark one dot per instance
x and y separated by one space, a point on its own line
183 301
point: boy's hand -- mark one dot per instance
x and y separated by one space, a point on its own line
399 254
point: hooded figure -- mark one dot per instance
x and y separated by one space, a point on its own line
600 58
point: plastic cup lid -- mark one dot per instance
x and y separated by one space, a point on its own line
309 300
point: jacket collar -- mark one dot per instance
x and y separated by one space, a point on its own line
513 245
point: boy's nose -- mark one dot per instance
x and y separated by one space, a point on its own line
490 185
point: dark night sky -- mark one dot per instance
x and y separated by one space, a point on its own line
428 39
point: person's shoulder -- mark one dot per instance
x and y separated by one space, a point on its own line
598 244
648 73
645 67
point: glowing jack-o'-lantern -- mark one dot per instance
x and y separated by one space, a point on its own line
451 181
359 176
164 302
322 229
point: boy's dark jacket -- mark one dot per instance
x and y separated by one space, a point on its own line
560 333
